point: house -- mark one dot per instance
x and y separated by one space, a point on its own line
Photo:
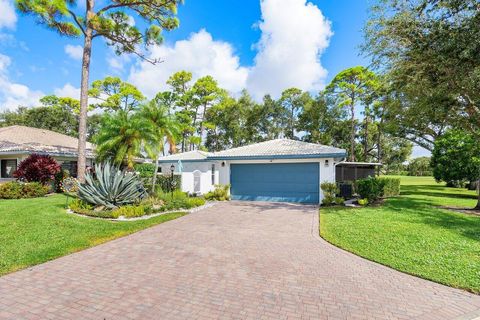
18 142
277 170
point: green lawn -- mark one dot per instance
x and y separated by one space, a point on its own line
411 234
33 231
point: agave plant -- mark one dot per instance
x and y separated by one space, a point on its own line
111 187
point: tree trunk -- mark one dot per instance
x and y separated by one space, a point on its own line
154 178
352 134
477 207
82 129
365 142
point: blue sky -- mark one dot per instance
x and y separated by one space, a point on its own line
262 45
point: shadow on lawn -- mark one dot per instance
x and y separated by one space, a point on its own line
431 191
425 213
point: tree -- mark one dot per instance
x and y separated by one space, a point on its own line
428 49
110 22
322 121
420 167
165 128
122 136
456 158
116 95
292 101
205 92
349 88
179 83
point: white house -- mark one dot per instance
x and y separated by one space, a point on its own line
18 142
277 170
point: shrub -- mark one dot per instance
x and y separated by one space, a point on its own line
145 170
130 211
195 202
164 184
330 191
111 188
37 168
59 177
391 187
363 202
339 201
18 190
220 193
370 188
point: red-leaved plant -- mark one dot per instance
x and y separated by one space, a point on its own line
37 168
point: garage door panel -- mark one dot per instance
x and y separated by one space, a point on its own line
292 182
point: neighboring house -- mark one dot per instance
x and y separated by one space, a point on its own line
276 170
18 142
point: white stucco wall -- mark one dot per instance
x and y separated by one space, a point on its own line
188 171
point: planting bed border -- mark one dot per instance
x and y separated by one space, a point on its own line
147 216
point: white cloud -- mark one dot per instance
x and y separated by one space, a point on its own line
199 54
74 52
8 18
67 91
14 94
294 35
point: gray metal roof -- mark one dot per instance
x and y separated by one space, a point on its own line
195 155
280 148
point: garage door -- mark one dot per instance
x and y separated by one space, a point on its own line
284 182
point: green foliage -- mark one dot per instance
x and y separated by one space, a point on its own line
121 138
116 95
339 201
456 157
110 21
390 186
19 190
130 211
111 187
220 193
433 89
420 167
164 182
370 188
349 89
363 202
330 190
178 200
145 170
59 177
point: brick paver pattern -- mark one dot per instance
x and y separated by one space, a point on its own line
237 260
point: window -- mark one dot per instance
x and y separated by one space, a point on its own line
213 173
7 168
71 167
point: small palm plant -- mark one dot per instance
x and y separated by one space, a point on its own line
111 188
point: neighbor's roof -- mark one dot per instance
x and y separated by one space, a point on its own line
279 148
21 139
195 155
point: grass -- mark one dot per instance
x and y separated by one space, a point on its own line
33 231
411 234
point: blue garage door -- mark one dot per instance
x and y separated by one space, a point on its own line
284 182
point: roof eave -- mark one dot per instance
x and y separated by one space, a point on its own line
284 156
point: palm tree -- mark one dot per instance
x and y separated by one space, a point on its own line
166 128
122 137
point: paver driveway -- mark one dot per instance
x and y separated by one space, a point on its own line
235 260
